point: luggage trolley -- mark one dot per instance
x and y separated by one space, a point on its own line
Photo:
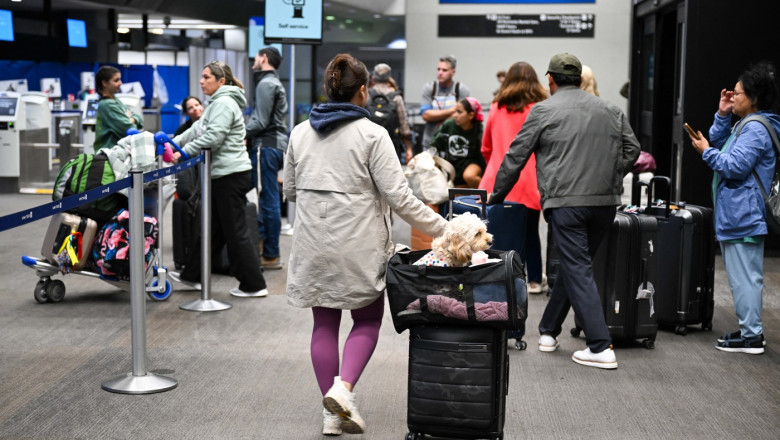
158 287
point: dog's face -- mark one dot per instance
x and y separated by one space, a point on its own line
464 235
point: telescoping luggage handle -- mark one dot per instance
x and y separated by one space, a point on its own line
454 192
650 190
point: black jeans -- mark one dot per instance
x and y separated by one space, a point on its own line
229 228
578 232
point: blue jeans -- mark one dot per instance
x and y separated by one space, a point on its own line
745 268
269 222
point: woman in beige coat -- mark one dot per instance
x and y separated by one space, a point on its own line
342 171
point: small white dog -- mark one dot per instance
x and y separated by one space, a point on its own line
465 235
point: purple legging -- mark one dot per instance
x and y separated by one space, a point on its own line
358 349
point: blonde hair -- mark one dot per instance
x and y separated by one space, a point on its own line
588 82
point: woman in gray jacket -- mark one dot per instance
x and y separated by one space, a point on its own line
342 171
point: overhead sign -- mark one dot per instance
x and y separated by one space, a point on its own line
256 39
505 25
293 21
516 1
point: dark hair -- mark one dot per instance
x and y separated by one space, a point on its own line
105 73
274 57
521 87
760 84
220 70
184 103
344 76
566 80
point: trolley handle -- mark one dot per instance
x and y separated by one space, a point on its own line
161 138
454 192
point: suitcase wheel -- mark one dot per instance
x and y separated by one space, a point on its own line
576 332
40 290
414 436
55 291
648 344
681 330
520 344
707 326
157 294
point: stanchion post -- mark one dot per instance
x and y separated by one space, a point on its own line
139 381
205 303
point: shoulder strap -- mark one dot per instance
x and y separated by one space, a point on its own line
457 91
433 90
772 135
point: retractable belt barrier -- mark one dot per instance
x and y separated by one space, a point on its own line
30 215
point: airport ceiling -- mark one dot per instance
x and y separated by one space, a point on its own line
226 12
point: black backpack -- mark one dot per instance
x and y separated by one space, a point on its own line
383 111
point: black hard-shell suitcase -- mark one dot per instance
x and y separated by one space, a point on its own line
624 269
458 381
686 260
186 236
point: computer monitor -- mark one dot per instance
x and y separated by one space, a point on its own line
9 106
6 25
77 33
89 116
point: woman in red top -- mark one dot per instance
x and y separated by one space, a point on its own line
520 90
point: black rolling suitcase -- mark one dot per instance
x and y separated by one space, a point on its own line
458 381
686 263
624 269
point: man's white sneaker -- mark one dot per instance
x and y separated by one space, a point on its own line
240 293
547 343
176 276
331 423
606 359
339 400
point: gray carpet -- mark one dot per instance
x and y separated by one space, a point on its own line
245 373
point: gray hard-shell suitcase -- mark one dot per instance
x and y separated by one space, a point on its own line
458 381
686 258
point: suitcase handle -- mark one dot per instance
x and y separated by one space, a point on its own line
651 190
161 139
636 192
453 192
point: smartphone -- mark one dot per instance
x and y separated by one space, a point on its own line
691 131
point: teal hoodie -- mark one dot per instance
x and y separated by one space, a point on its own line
222 128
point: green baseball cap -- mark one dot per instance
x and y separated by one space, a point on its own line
565 64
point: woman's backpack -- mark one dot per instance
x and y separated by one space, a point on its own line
84 172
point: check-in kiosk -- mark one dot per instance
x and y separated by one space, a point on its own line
11 123
89 109
35 154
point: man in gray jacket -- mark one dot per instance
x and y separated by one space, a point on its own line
266 131
584 146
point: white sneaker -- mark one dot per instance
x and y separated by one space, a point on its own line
240 293
339 400
331 423
606 359
547 343
176 276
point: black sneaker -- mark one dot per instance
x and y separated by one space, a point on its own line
738 335
749 346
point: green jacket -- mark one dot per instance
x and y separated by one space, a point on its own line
222 128
113 122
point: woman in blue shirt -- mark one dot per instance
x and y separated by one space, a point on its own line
740 224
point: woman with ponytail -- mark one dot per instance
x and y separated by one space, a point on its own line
222 128
342 171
